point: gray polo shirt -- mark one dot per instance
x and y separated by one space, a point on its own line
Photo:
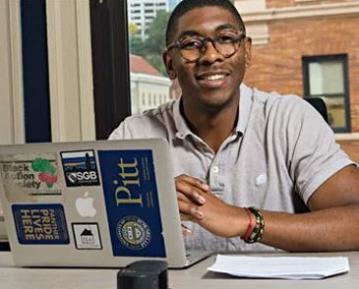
280 153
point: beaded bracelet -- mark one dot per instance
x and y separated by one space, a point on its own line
258 229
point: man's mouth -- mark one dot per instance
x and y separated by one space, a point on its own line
213 77
212 80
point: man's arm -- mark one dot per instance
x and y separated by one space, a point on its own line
332 224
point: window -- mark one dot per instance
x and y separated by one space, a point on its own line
114 99
147 41
327 77
143 96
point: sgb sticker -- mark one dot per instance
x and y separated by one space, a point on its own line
80 168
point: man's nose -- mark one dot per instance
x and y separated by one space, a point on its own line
210 53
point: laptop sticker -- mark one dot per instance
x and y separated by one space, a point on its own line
30 177
40 224
80 168
132 204
133 233
87 236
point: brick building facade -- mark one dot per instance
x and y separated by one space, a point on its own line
286 32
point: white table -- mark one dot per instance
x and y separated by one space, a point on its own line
196 277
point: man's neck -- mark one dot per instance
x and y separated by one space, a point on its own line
213 127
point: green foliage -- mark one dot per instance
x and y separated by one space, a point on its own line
137 46
155 43
157 62
132 28
151 49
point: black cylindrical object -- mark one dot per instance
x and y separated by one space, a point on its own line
143 275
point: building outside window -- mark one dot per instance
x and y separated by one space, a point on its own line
147 23
139 15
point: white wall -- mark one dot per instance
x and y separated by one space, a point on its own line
11 99
70 71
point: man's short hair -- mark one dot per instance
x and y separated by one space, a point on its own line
187 5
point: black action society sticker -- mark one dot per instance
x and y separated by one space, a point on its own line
133 232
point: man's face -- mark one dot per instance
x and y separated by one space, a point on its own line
213 80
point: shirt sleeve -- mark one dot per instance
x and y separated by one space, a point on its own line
315 156
121 132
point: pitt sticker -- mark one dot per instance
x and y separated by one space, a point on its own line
25 177
87 236
132 204
80 168
40 224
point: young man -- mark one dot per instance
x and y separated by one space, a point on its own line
245 160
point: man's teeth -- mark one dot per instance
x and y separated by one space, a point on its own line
215 77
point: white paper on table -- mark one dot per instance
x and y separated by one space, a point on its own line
280 267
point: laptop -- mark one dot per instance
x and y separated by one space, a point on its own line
3 234
92 204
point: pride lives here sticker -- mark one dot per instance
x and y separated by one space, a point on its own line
40 224
132 203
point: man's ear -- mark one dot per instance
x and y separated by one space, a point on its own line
248 51
167 59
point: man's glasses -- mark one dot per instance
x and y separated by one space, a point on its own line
194 47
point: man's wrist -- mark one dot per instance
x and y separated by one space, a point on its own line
241 222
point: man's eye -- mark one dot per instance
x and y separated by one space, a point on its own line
191 44
226 39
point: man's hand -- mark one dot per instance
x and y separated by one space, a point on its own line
198 204
190 196
222 219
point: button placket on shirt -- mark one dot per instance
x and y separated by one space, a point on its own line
215 172
209 158
219 168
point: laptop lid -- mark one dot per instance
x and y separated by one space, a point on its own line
91 204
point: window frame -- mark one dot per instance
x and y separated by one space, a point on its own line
343 58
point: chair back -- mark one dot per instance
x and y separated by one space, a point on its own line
320 106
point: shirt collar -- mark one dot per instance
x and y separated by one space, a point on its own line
182 128
245 104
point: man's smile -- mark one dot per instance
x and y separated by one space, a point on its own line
212 79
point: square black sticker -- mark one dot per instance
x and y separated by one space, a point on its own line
87 236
